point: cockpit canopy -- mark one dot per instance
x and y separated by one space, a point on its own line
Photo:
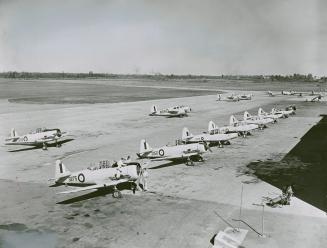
43 129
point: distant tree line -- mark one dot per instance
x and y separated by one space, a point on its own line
158 76
91 75
294 77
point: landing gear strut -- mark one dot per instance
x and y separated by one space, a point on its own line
189 162
133 187
44 147
116 193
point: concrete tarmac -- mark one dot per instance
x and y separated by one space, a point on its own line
178 210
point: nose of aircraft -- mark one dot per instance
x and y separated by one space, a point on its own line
203 147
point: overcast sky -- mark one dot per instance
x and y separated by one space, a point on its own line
181 37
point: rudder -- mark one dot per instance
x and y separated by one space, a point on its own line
186 134
61 170
232 120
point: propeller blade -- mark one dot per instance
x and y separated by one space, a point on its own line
207 146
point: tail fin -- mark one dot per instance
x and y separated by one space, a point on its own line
232 120
186 134
153 109
246 115
261 112
144 146
211 127
13 133
61 170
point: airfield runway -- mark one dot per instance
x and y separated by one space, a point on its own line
179 208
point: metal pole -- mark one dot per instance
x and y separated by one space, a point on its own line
263 212
239 226
262 217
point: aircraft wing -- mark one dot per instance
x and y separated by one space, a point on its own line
33 143
96 186
22 143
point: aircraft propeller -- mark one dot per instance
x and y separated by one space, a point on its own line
59 133
207 146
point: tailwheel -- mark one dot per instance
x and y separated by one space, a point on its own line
201 159
220 145
117 194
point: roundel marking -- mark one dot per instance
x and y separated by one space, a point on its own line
81 178
25 138
202 138
161 152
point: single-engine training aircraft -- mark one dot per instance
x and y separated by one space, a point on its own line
261 122
290 110
39 137
235 126
287 93
208 138
230 98
263 114
98 178
315 98
175 153
178 111
245 97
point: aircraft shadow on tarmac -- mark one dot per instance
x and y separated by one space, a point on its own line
98 193
40 146
172 164
164 165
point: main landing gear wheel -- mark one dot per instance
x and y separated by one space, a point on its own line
44 147
133 187
189 162
58 145
201 159
117 194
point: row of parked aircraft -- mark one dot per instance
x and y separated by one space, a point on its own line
190 148
126 174
314 96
